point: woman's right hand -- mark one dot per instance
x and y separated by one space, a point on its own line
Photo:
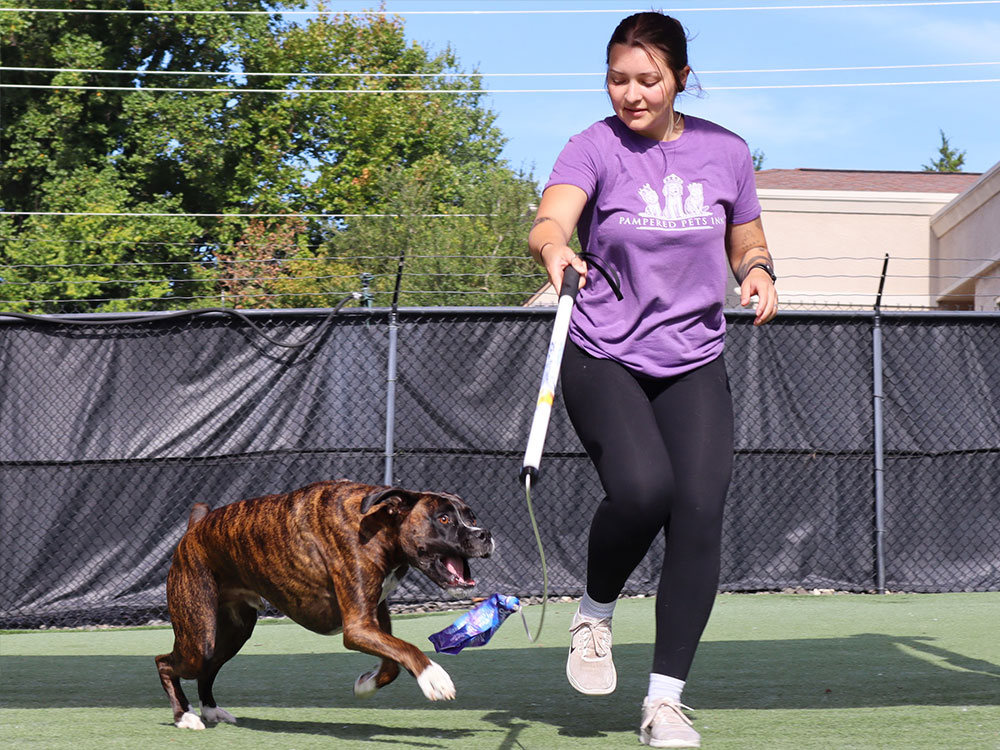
555 258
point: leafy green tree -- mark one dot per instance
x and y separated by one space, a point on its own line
473 253
272 266
758 159
949 159
245 151
107 151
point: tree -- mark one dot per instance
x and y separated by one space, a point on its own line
949 159
187 154
475 249
758 159
272 266
72 151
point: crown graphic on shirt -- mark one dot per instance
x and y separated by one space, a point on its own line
672 178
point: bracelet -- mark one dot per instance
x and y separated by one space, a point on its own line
767 269
542 250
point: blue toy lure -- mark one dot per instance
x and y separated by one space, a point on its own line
477 626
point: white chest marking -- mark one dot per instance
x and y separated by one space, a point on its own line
390 584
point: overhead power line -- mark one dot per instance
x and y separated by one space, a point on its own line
279 261
455 92
592 74
498 12
247 216
193 260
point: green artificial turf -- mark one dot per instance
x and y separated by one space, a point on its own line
773 671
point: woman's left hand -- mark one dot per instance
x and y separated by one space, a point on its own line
746 246
758 283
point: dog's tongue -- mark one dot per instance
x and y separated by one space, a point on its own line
456 566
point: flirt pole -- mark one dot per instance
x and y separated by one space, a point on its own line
477 626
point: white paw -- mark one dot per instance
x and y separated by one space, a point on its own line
217 715
436 683
189 721
364 686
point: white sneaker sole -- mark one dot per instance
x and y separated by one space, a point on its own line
667 743
590 691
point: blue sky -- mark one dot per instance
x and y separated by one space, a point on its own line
874 127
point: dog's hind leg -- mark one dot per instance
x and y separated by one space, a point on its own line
172 667
172 686
191 602
234 626
366 685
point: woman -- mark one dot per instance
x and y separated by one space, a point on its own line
660 201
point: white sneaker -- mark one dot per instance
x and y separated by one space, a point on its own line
589 667
664 724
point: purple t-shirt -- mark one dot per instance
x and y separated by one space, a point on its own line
656 215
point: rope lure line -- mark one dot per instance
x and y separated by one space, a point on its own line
541 557
540 420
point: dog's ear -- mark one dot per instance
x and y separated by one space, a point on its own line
395 498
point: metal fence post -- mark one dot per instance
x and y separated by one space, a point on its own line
390 400
879 456
366 289
390 385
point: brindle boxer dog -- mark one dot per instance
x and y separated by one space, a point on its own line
326 555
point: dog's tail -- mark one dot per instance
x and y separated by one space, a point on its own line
198 512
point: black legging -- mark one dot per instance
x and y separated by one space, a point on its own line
664 452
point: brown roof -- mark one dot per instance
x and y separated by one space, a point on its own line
889 182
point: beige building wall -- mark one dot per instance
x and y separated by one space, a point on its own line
829 246
965 245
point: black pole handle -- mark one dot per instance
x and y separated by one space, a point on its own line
570 282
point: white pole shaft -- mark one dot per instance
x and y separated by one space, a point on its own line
550 375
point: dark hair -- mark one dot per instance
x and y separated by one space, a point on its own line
658 34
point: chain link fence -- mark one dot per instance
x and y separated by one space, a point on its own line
111 429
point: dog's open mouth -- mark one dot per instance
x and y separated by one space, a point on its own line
454 572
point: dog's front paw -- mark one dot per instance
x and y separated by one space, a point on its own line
365 686
436 683
216 715
189 720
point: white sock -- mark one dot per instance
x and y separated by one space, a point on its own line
597 610
661 686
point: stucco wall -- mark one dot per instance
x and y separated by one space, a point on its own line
965 245
829 246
